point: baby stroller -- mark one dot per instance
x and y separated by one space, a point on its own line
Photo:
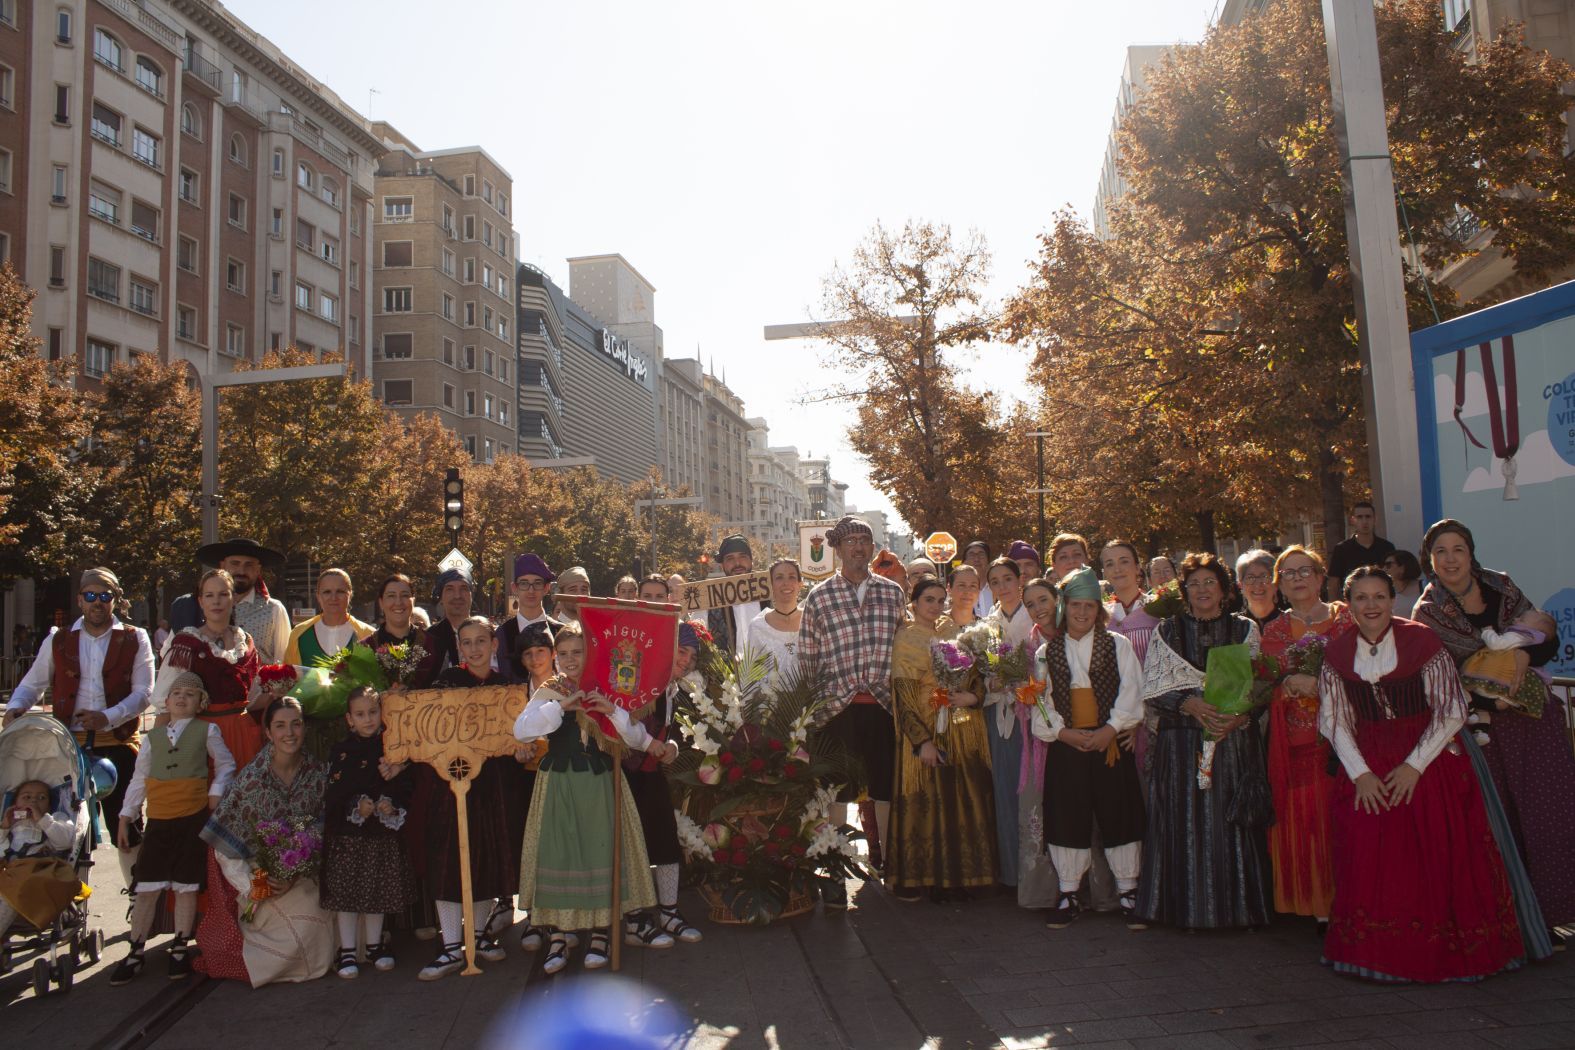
37 747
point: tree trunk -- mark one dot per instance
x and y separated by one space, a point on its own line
1153 545
1205 530
1331 495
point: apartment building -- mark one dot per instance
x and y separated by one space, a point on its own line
827 496
585 395
681 397
444 295
778 497
171 183
726 453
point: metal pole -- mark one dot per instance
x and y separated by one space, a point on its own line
210 460
1383 330
1039 439
653 536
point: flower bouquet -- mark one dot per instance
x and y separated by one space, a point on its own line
754 816
286 852
1227 687
951 664
1166 601
400 661
1303 656
1007 664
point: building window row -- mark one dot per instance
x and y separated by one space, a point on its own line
110 52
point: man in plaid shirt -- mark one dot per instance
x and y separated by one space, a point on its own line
850 622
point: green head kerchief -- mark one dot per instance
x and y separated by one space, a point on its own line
1079 584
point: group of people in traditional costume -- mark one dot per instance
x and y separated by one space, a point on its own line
1406 783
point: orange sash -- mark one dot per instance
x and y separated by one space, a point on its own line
1085 715
171 799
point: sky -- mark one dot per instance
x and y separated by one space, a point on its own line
735 152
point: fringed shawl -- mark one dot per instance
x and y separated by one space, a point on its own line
1442 611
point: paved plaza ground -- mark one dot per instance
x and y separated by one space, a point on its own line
886 974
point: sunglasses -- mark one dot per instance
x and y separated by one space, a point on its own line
98 596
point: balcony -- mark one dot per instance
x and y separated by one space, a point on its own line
201 70
146 20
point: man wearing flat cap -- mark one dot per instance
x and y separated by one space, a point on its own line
729 625
259 615
533 581
572 583
452 593
99 674
844 642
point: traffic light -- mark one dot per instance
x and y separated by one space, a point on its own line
453 502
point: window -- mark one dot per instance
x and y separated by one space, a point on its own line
355 222
503 327
278 163
103 280
305 177
398 346
98 359
188 185
303 295
470 445
103 202
470 230
470 316
503 286
331 193
448 307
275 340
149 76
448 351
486 191
448 220
8 12
145 147
186 255
144 297
7 86
355 329
5 170
398 391
448 262
238 150
399 253
448 396
237 211
328 307
57 266
503 412
487 358
470 403
486 234
486 322
305 235
235 276
190 123
398 209
486 406
63 27
470 271
185 322
57 184
276 284
276 224
486 276
237 86
503 203
107 50
355 274
57 340
145 221
470 185
62 104
106 124
234 340
503 369
330 250
396 300
470 359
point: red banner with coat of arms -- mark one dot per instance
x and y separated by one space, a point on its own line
629 652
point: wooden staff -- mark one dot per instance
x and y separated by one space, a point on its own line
617 867
461 788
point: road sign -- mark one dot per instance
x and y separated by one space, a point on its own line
940 547
455 560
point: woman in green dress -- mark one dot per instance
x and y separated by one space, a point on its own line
943 810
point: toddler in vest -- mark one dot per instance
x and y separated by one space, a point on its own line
173 778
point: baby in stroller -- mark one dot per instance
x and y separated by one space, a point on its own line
29 832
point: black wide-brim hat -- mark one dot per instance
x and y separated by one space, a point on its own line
241 546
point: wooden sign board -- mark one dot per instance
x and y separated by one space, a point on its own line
723 591
452 730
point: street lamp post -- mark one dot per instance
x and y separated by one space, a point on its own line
1039 439
211 385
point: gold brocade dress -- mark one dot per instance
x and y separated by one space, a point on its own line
943 819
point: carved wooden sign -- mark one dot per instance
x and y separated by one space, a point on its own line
452 730
723 591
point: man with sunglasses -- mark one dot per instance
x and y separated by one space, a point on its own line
98 674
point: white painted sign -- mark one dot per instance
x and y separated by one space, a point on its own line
455 560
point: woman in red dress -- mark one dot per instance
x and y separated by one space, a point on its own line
1298 755
1421 891
223 655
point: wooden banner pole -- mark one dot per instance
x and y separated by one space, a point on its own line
461 788
617 866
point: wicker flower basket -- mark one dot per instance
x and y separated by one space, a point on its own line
800 903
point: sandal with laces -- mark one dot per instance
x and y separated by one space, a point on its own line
1129 911
596 954
557 953
641 931
382 955
345 965
1067 908
672 923
534 937
500 919
129 967
450 960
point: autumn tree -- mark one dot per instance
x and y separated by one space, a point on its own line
1216 324
146 520
44 489
401 523
902 309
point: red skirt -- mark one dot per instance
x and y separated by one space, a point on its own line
1299 838
1421 893
218 934
242 733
